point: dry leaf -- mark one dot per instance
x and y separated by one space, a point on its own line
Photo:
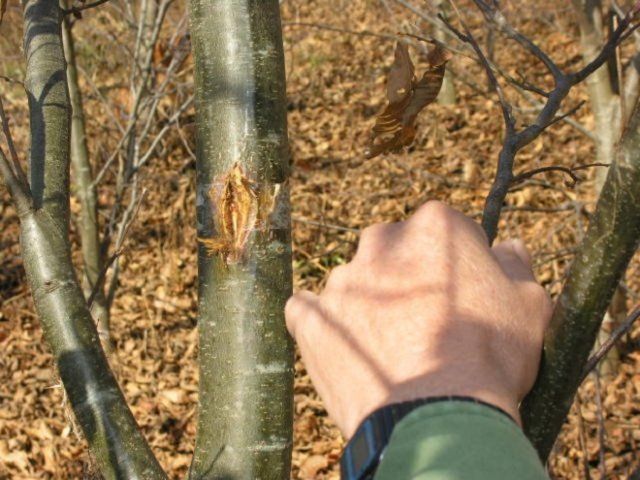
312 465
407 96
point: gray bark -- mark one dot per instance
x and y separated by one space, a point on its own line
244 257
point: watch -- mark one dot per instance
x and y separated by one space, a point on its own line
366 447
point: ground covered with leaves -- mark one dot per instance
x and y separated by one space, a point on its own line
337 53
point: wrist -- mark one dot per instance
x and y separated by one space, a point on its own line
482 387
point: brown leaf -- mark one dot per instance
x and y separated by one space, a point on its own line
312 466
407 96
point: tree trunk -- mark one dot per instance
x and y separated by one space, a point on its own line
609 244
447 95
605 105
86 191
244 256
98 403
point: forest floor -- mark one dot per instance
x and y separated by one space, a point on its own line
336 80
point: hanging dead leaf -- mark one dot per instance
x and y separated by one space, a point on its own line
407 96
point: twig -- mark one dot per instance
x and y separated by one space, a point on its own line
326 225
101 277
12 80
582 439
12 148
331 28
601 426
18 191
568 170
174 118
616 335
86 6
559 118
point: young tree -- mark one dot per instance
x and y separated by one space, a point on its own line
139 140
607 106
42 204
244 258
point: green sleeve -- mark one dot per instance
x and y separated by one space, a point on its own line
456 440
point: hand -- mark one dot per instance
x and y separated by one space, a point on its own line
425 308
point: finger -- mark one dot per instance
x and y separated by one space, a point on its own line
515 260
301 307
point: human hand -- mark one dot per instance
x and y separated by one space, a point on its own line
425 308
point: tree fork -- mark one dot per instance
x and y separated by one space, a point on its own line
244 257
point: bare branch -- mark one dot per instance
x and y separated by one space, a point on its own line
331 28
616 335
12 148
85 6
495 85
495 16
515 140
18 192
625 28
561 117
558 168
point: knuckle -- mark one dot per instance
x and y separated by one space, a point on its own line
433 209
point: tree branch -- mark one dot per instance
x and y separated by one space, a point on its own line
85 6
515 140
609 243
616 335
558 168
108 425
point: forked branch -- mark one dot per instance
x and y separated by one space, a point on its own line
514 139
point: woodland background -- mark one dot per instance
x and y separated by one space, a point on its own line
337 55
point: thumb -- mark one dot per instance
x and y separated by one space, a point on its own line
301 307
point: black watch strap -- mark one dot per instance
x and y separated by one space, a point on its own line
363 453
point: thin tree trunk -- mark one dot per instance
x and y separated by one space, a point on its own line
86 191
605 105
610 241
98 403
244 256
447 95
631 86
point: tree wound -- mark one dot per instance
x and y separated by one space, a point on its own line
239 206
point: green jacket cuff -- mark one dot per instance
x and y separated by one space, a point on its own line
455 440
